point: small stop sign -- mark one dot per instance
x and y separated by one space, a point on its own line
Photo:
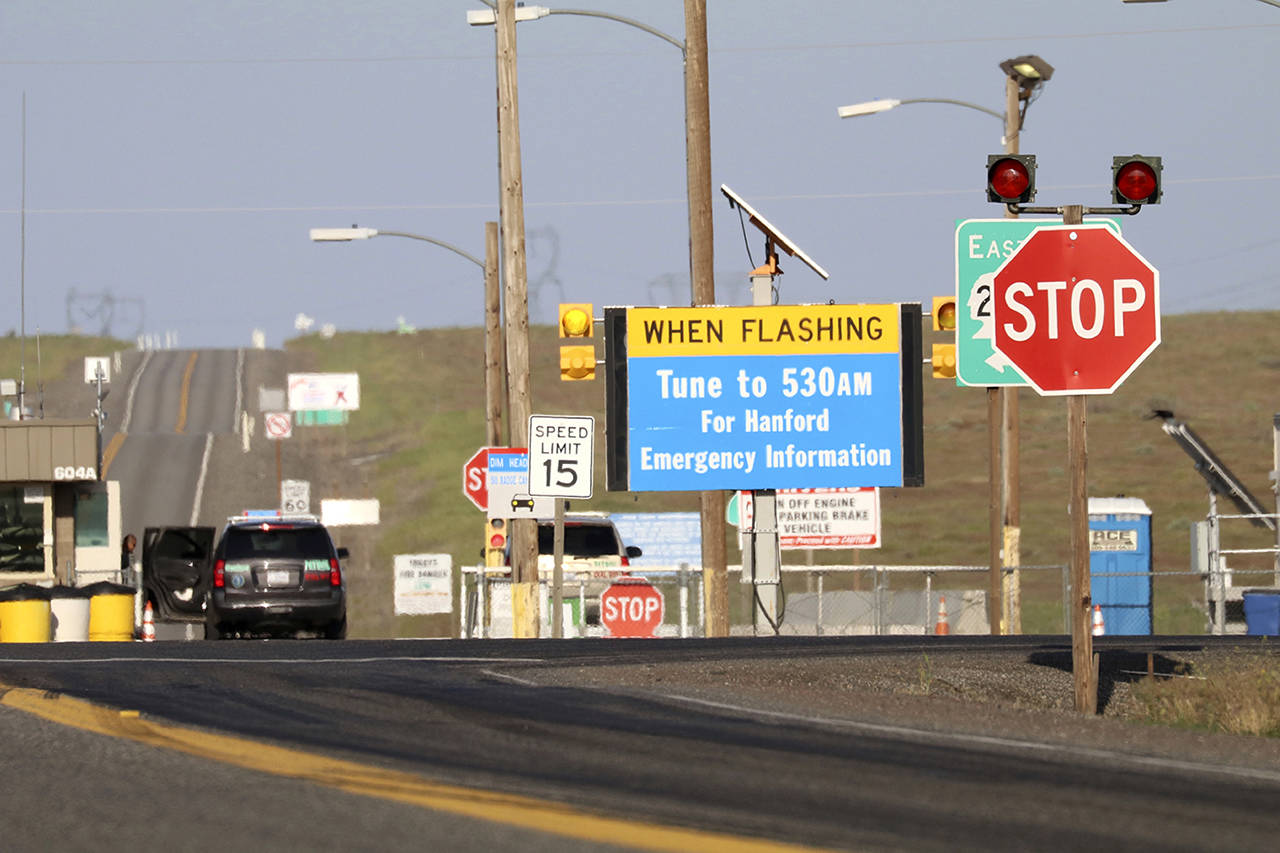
631 608
475 486
1076 309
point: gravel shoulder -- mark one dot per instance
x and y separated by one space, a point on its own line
987 694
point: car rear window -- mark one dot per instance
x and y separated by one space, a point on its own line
250 543
580 540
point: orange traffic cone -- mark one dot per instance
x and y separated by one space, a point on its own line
942 627
1099 627
148 624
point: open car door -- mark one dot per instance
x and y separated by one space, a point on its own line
177 568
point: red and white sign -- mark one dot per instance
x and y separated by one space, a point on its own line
278 424
324 392
631 608
475 479
1076 309
821 518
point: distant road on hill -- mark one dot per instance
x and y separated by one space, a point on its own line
169 406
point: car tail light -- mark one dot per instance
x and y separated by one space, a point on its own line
335 573
626 561
219 573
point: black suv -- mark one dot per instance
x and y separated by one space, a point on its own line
274 575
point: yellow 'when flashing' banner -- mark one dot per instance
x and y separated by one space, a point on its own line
762 330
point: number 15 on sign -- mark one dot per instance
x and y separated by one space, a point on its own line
561 453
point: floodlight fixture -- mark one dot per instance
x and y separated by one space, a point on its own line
1027 71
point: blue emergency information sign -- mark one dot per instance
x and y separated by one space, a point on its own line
764 397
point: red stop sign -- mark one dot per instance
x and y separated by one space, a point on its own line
631 608
1076 309
475 482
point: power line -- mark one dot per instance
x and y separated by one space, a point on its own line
754 49
638 202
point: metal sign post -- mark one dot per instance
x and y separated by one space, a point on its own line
762 558
561 460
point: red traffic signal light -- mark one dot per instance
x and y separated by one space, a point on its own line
1011 178
496 533
1135 180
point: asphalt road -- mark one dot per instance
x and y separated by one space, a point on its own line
662 749
170 407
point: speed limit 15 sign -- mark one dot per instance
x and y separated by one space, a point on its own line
561 453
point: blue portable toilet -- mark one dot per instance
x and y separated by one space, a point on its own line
1120 563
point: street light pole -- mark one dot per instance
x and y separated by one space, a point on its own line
1023 75
493 341
1009 456
701 244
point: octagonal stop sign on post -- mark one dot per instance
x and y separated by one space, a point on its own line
631 607
475 486
1076 309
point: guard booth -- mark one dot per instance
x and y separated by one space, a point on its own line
1120 563
58 522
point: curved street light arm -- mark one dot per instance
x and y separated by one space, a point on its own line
631 22
971 106
442 244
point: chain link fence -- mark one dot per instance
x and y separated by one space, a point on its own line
817 600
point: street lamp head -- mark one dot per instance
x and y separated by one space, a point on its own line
342 235
867 108
1027 71
489 17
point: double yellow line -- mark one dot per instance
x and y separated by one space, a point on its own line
184 400
509 809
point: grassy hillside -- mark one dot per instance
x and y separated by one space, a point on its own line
54 359
422 416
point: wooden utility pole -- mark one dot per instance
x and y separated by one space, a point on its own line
1085 676
493 344
524 531
697 128
1011 541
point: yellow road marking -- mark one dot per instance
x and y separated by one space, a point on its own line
113 447
510 809
186 394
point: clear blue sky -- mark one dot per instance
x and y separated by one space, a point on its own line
178 152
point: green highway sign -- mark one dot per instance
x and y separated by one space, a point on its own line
982 245
322 417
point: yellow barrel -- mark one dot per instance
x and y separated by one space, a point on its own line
110 612
24 621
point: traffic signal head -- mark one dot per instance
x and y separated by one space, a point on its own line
1135 180
943 361
575 319
944 313
576 362
495 542
1011 178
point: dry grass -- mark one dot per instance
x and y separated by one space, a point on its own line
1240 695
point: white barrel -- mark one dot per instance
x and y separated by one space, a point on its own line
70 617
